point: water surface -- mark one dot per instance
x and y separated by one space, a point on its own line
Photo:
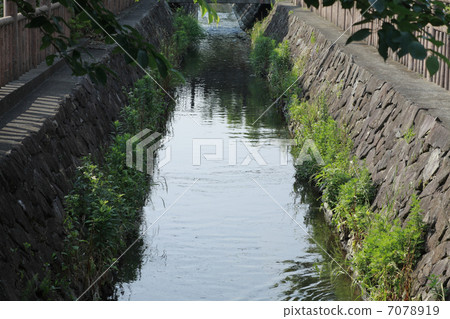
230 228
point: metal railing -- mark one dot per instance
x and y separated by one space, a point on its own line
344 19
20 47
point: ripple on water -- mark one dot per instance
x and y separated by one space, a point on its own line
226 238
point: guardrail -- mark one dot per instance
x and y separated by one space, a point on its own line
344 19
20 47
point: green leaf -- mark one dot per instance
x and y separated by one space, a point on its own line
178 74
48 27
359 35
389 34
162 64
37 22
327 3
417 50
62 46
152 61
382 46
443 57
314 3
142 58
432 64
77 68
50 58
379 5
57 23
435 42
46 41
364 21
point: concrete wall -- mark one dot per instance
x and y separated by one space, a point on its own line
378 102
37 173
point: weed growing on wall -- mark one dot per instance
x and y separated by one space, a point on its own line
384 251
273 61
387 255
104 207
187 35
260 54
280 70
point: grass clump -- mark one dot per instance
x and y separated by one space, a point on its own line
260 54
280 75
104 207
409 134
103 210
187 35
384 252
273 61
315 124
385 260
257 31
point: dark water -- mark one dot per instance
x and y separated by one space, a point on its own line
232 228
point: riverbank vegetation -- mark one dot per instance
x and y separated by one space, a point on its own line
187 35
383 251
104 208
61 34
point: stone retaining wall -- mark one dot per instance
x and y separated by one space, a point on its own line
36 175
378 117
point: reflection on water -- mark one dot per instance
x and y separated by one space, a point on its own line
234 234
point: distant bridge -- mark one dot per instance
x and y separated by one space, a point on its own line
227 1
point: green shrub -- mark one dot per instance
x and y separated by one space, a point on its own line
260 55
330 178
257 32
187 34
280 76
104 207
388 254
146 108
315 124
274 61
351 210
385 253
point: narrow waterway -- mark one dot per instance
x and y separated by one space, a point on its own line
228 226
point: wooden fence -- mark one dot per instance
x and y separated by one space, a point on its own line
20 46
345 18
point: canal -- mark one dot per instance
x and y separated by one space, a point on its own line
226 219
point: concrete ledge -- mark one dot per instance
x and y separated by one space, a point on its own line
14 91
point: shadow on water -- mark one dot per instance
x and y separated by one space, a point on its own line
229 241
324 278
